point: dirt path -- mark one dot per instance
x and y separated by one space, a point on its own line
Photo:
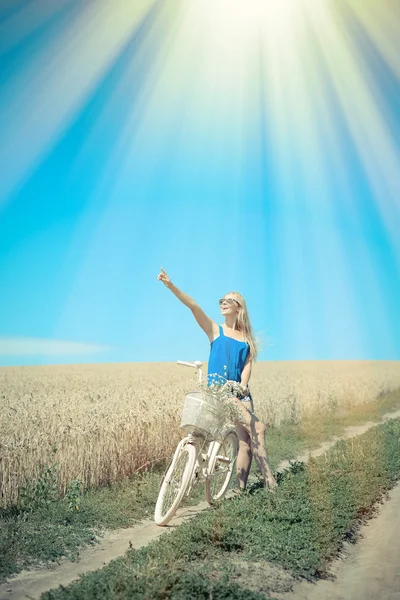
370 570
31 584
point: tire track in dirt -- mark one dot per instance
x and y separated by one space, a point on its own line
31 584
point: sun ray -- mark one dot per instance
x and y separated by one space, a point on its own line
42 97
375 145
266 123
382 22
19 25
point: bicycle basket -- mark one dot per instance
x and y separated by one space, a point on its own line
203 414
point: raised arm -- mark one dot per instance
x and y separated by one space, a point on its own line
208 325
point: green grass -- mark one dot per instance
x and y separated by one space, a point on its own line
290 440
299 528
32 536
53 530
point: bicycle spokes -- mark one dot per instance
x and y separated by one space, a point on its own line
222 466
174 482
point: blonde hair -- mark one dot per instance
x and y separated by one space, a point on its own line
243 325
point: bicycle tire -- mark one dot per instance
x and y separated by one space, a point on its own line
220 471
174 484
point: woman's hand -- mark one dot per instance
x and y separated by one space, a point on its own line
235 387
164 278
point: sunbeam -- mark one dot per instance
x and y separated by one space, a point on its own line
258 141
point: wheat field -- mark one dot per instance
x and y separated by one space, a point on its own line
102 423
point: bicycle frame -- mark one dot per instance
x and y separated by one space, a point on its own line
196 459
202 458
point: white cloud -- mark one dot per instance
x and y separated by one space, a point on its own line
23 346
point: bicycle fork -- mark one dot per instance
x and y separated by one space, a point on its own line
202 460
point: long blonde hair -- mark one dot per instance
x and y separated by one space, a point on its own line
243 325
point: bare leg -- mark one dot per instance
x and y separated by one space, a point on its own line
256 431
244 457
259 451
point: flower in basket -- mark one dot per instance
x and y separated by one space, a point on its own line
223 392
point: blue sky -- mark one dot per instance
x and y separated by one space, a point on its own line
129 144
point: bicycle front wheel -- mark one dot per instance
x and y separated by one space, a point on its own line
221 466
175 483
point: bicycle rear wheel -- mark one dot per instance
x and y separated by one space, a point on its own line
221 466
175 483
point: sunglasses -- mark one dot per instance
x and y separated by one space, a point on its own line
228 301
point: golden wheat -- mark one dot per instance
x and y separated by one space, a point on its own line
102 423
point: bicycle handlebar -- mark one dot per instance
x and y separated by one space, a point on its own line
196 365
232 386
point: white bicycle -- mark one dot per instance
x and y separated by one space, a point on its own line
208 453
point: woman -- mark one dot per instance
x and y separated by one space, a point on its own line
232 352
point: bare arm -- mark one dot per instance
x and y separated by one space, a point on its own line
207 324
246 373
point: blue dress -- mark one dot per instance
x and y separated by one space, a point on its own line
227 359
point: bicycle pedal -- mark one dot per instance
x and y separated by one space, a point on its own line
223 459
